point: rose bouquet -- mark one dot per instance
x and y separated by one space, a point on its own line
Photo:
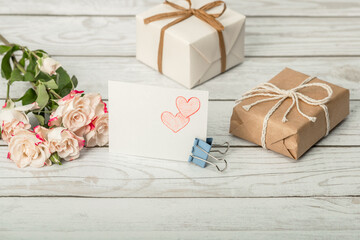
67 119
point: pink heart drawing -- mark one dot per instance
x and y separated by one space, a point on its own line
174 123
187 107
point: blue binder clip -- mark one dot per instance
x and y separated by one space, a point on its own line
201 152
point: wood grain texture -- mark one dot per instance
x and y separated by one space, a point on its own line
252 172
114 36
94 72
261 196
184 235
130 7
291 216
346 134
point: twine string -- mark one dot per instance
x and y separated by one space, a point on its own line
272 92
185 13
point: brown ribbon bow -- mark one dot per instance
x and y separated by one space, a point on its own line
183 14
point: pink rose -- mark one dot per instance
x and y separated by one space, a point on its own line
62 141
25 149
99 133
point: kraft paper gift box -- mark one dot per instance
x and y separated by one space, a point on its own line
191 53
295 133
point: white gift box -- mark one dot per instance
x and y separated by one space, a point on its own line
191 51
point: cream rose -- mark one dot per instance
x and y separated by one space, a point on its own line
13 118
99 133
49 66
64 104
10 112
8 129
76 112
25 149
62 141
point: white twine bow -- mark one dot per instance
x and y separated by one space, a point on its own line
272 92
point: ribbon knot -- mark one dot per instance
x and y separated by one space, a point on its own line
289 93
185 13
272 92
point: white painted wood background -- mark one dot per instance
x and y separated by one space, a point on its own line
261 196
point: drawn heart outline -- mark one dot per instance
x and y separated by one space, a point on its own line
187 107
174 123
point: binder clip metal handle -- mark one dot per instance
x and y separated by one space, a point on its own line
217 159
225 151
201 152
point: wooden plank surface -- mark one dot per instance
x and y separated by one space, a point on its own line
130 7
252 172
253 215
114 36
94 72
186 235
262 195
346 134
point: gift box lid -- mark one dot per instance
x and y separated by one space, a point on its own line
199 35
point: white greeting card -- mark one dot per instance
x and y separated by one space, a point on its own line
154 121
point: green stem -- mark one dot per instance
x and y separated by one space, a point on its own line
15 64
39 111
8 92
36 56
4 40
54 93
19 66
13 58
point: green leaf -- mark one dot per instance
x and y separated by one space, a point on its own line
22 60
29 77
16 76
74 81
53 105
64 82
43 77
66 90
40 118
37 70
5 65
63 78
40 50
51 84
28 97
39 54
4 49
40 62
32 64
42 95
